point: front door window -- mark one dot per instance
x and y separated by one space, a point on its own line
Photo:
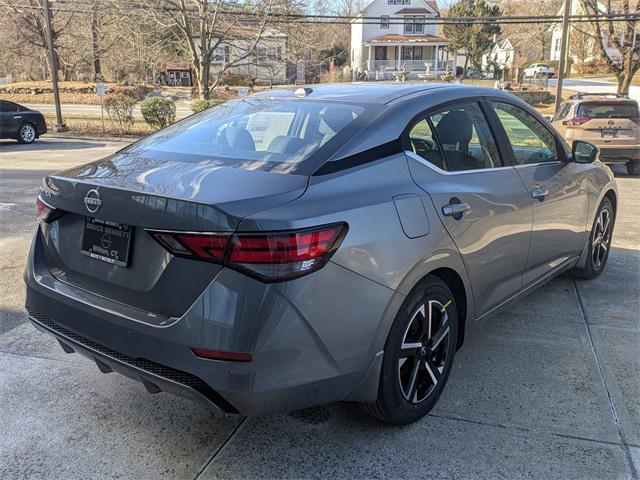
381 53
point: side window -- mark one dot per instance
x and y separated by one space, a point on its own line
530 140
465 138
562 112
423 144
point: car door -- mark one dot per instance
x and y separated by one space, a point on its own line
558 190
480 199
10 118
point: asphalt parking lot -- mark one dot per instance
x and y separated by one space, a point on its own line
549 388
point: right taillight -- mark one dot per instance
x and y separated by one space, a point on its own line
576 121
269 256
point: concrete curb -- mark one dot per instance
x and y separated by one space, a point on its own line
95 138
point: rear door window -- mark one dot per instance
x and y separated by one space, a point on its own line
465 138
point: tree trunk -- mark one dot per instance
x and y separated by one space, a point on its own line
624 82
466 64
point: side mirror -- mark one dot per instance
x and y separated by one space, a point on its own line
584 152
547 118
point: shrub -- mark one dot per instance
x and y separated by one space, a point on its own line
200 105
239 80
119 107
158 112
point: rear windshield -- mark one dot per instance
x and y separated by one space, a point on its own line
608 110
255 133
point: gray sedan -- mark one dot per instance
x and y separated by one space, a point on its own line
300 247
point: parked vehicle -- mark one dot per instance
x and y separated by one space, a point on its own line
538 70
292 249
612 122
21 123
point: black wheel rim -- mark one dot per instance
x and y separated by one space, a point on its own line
601 239
424 351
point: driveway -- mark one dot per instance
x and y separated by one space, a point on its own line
547 389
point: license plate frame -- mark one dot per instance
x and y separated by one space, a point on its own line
107 241
609 133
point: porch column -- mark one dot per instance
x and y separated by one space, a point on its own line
435 65
399 59
369 61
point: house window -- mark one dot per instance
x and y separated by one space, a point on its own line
384 21
413 24
411 53
220 54
399 2
265 55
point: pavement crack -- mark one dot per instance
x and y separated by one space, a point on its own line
218 450
612 405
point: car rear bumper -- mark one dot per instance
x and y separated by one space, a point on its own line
619 154
305 350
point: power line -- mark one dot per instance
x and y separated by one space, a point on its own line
275 17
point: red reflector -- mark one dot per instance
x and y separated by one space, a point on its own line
218 355
283 248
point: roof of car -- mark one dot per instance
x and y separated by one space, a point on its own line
357 92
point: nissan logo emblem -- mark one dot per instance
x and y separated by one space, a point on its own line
92 200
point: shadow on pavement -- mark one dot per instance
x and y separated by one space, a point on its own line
13 146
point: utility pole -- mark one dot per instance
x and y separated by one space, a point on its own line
563 52
60 126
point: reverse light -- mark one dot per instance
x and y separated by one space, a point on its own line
45 213
576 121
269 256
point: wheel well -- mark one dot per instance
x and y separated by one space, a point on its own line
611 195
454 282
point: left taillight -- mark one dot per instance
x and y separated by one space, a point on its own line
45 213
268 256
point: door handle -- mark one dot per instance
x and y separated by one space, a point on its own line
539 192
455 210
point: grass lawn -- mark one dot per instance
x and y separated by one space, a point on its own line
92 125
67 95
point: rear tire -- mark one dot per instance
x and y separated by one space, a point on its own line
599 243
26 133
633 168
418 354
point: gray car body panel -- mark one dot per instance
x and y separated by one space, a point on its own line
319 338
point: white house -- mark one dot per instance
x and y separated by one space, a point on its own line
590 48
502 55
400 37
266 63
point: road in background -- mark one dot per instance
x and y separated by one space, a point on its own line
547 389
594 86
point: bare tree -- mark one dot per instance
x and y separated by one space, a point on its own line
215 27
619 35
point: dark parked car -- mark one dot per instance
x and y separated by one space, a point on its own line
21 123
337 243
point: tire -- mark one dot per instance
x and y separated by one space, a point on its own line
27 133
633 168
599 243
410 387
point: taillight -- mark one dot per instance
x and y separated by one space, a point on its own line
45 213
576 121
269 256
218 355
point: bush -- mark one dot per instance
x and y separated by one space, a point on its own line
158 112
238 80
200 105
119 107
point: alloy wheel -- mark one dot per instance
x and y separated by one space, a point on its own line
27 133
601 238
424 350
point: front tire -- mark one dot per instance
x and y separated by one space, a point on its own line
633 168
599 242
418 354
27 133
